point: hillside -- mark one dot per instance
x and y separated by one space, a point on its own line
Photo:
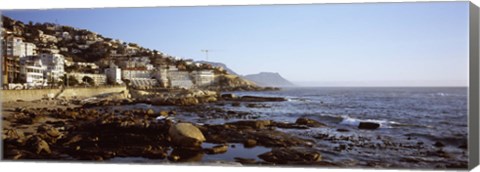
269 79
82 45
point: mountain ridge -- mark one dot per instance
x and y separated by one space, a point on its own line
269 79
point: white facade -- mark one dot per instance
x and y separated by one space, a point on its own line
55 65
114 74
180 79
136 74
203 78
85 64
28 49
161 74
14 46
33 71
99 79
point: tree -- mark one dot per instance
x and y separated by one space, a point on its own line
88 80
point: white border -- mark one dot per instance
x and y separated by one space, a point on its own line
49 4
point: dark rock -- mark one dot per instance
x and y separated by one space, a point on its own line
38 145
235 104
14 135
309 122
368 125
228 96
154 153
49 130
291 155
438 144
463 146
262 99
342 130
257 124
289 125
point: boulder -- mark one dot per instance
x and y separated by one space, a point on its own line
309 122
287 155
250 143
49 130
14 134
38 145
368 125
186 135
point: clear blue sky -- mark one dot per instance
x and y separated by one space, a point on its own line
379 44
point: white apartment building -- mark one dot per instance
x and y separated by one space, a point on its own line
16 47
131 74
180 79
32 71
114 74
55 65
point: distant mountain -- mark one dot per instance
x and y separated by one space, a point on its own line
269 79
224 66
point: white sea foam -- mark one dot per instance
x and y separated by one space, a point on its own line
355 122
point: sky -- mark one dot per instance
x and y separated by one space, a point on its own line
369 44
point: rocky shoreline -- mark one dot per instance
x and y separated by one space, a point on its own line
88 129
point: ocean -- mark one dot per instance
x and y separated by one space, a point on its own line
419 127
416 118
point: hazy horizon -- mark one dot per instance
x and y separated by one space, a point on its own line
371 44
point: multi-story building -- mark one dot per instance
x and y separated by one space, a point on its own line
98 79
114 74
86 65
55 66
33 71
28 49
203 78
161 74
14 50
136 73
11 69
179 79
